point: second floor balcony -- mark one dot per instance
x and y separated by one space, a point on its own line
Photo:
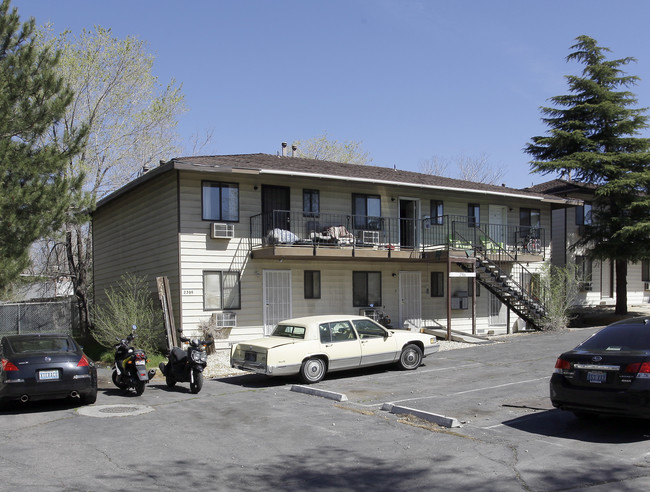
294 234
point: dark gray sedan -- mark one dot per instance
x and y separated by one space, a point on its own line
45 366
609 373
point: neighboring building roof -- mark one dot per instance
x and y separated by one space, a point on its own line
562 187
298 166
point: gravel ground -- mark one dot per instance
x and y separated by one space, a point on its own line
219 363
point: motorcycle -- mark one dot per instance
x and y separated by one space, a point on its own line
130 369
186 365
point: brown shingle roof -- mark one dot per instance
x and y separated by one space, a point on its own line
561 187
293 166
299 165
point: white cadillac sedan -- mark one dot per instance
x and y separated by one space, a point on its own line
315 345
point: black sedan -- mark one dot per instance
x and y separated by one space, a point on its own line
44 366
609 373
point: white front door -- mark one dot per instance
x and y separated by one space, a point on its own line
498 220
276 288
498 311
410 294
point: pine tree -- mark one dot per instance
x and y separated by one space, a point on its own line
37 192
594 139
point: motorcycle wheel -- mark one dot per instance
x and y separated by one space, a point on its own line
196 386
139 387
117 382
170 380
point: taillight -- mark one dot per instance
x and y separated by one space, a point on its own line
7 365
562 365
83 362
638 368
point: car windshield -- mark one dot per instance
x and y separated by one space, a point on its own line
289 331
49 344
617 338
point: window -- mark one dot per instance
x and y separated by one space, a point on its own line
583 214
312 284
289 331
529 222
437 284
437 212
367 212
583 272
645 270
473 214
366 289
221 290
221 201
368 329
338 331
310 203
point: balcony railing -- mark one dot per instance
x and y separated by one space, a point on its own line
282 227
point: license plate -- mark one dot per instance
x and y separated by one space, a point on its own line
48 375
597 377
140 363
250 356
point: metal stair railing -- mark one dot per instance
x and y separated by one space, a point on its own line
527 302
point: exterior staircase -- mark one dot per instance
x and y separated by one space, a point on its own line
525 301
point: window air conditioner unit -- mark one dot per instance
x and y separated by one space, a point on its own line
223 231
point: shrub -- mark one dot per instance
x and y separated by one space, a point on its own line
562 284
129 303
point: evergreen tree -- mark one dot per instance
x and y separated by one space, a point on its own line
594 139
37 193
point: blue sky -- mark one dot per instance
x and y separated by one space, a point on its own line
409 79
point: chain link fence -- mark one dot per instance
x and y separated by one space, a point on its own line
39 317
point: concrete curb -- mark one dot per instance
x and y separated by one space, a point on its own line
428 416
331 395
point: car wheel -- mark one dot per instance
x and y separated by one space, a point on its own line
312 370
196 386
139 387
89 398
411 357
117 382
170 380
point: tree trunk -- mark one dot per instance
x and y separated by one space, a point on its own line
78 269
621 287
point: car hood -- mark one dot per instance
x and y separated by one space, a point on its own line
267 342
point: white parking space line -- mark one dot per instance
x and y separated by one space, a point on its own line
497 386
471 391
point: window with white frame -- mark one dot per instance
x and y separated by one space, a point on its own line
221 290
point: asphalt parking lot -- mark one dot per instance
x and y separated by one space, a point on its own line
253 433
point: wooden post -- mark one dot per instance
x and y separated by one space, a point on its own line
474 301
168 317
448 296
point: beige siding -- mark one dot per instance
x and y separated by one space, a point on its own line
137 233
